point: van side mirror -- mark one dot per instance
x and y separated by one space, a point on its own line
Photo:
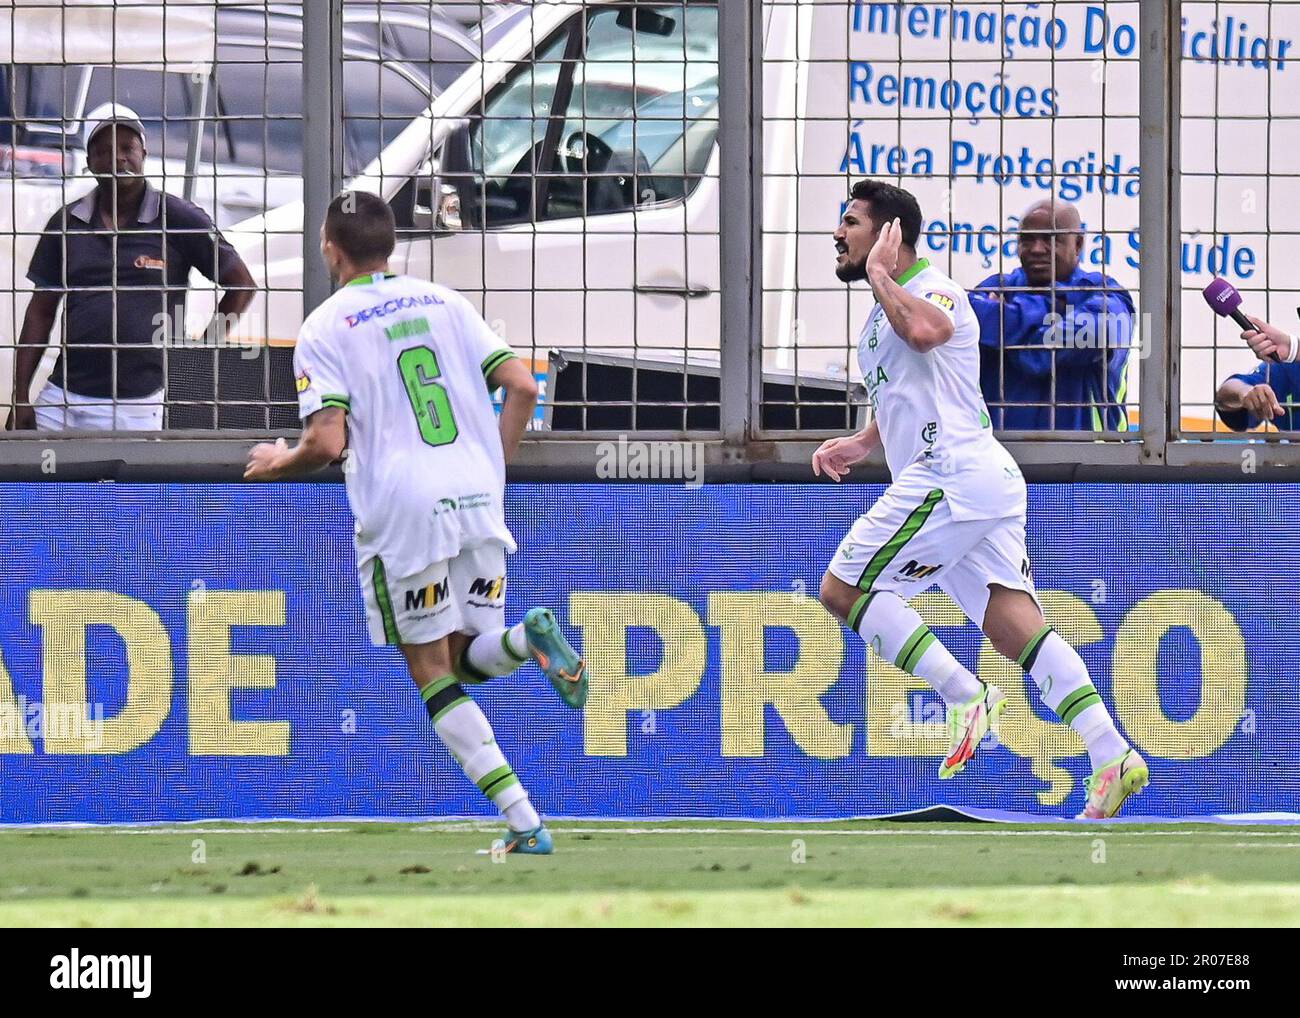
437 205
437 200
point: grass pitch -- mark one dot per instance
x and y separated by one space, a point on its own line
656 874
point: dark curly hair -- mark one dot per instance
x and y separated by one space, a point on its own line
889 202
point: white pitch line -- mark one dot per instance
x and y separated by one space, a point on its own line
980 832
228 830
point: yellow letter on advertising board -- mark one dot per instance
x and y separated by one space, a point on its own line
1223 674
13 720
215 671
71 727
1022 729
605 620
891 730
747 686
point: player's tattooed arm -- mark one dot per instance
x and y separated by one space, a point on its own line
322 443
520 404
920 324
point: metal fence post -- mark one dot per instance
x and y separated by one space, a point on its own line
740 136
1159 217
322 105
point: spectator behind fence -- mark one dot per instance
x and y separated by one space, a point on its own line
122 255
1078 331
1269 393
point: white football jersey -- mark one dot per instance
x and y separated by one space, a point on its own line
408 361
931 414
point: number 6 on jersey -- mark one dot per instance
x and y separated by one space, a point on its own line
429 400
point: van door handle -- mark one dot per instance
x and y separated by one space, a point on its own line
685 292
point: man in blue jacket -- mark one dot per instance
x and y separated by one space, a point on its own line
1054 339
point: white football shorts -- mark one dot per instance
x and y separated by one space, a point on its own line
908 542
466 594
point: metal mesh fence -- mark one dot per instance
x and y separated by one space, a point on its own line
982 111
1240 179
559 163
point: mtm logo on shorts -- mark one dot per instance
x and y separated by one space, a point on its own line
491 589
427 597
914 570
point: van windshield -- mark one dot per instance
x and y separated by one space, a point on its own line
639 117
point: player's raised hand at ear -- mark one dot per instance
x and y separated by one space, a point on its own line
884 253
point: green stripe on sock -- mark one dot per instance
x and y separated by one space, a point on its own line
505 645
451 706
918 652
502 785
380 579
1031 648
497 779
890 549
859 609
436 686
511 779
909 645
1077 702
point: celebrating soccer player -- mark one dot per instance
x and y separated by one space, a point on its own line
400 371
955 512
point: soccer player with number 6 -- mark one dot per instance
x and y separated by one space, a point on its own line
400 371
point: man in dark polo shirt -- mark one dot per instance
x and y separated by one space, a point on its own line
122 255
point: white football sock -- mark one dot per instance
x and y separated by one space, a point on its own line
465 731
498 652
1066 687
892 628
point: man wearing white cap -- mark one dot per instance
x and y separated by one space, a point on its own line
122 255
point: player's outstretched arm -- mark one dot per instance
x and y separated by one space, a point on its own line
323 441
521 402
835 456
920 324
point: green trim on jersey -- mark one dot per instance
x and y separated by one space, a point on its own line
369 277
336 399
494 360
890 549
919 266
380 579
